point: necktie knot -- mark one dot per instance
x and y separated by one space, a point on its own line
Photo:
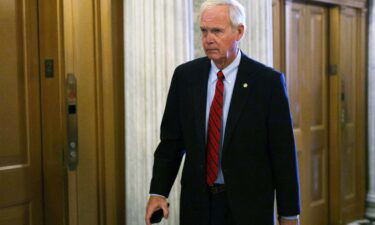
220 75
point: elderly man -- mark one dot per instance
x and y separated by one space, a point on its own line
230 116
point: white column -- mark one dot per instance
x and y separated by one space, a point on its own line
257 42
157 39
370 210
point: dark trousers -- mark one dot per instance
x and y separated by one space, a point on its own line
220 213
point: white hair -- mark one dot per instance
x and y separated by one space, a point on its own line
237 13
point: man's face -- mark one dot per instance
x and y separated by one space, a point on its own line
219 38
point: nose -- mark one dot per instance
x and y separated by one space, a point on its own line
209 38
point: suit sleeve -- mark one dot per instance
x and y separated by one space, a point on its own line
282 150
168 155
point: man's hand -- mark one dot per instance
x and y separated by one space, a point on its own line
155 203
283 221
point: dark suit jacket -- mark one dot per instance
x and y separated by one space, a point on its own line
259 154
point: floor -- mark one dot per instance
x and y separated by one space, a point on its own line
362 222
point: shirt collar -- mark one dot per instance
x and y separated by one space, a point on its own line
229 76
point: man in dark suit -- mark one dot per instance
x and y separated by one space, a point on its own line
230 116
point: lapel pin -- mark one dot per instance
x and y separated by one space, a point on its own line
245 85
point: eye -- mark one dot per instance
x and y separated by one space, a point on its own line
203 30
216 30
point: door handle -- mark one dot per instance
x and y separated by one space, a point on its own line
72 126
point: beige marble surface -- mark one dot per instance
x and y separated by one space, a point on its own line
157 39
370 210
257 42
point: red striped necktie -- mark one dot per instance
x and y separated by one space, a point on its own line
214 130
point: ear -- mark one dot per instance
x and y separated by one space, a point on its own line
241 31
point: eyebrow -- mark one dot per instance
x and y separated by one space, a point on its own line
212 28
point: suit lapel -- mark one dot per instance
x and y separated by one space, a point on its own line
199 96
243 86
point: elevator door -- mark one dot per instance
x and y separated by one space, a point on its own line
307 82
350 46
20 126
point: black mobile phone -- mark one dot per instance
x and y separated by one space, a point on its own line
157 216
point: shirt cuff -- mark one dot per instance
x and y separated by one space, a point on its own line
158 195
290 217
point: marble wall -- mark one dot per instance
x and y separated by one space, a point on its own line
370 210
157 39
257 42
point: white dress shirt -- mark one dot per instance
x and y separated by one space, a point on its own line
230 75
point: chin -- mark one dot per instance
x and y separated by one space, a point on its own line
213 56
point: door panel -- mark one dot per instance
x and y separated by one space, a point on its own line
52 111
347 158
328 111
277 37
306 56
20 134
294 46
12 93
294 16
348 56
317 103
348 102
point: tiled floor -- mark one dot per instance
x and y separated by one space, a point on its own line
362 222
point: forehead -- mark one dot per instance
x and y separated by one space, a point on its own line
216 15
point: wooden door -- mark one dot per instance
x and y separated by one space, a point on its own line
52 111
348 95
348 101
20 130
32 112
317 113
93 50
278 21
307 81
294 78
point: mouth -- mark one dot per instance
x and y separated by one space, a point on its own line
211 50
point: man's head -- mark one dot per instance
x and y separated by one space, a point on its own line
222 24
